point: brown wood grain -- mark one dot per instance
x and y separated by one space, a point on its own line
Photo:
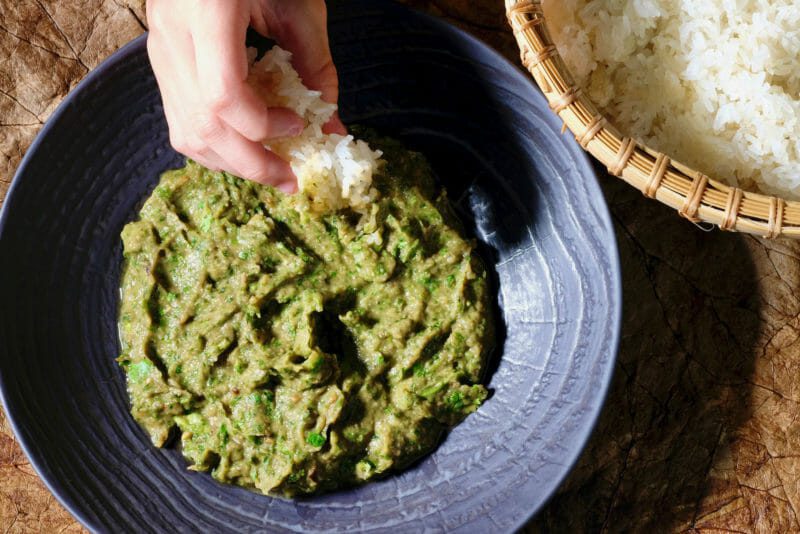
700 431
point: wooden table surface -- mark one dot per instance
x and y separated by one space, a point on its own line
700 430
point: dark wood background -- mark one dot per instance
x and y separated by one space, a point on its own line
700 431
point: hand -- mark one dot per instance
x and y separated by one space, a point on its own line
197 51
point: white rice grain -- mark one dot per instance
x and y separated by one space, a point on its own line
334 170
713 83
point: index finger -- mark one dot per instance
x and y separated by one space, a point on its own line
218 34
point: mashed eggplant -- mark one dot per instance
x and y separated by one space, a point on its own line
299 352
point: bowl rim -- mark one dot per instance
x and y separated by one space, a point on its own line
38 464
135 46
695 196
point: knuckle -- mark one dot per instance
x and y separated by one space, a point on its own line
219 101
255 173
178 143
257 131
207 127
189 146
197 147
220 96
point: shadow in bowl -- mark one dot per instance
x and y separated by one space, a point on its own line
690 338
527 193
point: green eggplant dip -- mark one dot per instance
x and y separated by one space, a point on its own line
294 351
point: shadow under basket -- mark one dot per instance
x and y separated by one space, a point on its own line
696 196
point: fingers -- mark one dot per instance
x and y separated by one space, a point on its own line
186 143
181 140
247 158
302 28
283 122
198 55
335 125
218 36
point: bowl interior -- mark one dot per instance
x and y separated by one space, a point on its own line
527 193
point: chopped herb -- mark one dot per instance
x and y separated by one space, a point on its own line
163 193
205 224
139 371
430 391
315 439
317 364
430 283
455 401
294 477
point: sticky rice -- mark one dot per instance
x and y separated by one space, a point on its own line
335 171
715 84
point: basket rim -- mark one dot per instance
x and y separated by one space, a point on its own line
696 196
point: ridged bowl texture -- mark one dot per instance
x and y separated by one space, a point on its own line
527 193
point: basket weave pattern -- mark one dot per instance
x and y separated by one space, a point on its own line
696 196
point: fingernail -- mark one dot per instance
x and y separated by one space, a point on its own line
285 123
287 187
335 125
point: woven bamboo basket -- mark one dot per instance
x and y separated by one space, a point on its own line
696 196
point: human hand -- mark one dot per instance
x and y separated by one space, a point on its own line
197 51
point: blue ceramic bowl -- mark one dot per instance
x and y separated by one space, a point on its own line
528 194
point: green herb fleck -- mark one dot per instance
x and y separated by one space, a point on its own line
455 401
316 364
205 224
163 193
430 391
315 439
294 477
430 283
302 255
139 371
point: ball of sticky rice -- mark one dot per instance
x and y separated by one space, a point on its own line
334 171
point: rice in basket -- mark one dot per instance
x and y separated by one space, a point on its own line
713 83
